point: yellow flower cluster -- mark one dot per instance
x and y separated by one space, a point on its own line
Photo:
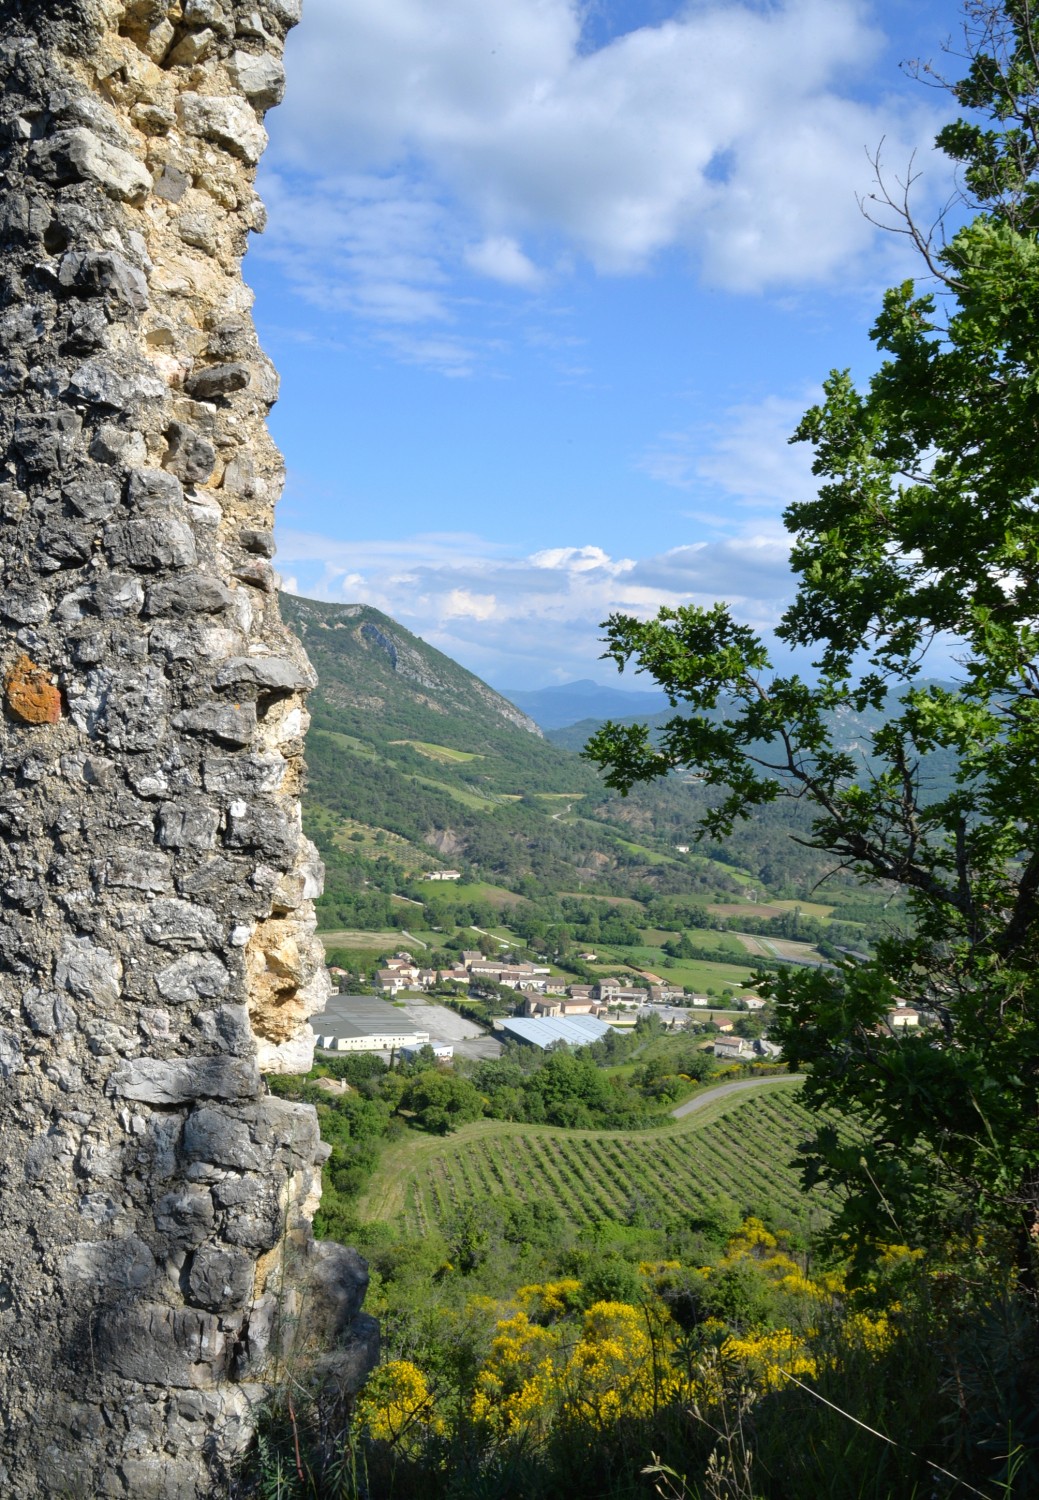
873 1333
549 1299
516 1385
610 1371
765 1356
543 1366
397 1406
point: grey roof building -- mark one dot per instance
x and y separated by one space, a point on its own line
361 1023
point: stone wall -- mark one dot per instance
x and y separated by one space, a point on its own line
156 948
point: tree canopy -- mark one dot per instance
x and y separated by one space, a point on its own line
924 530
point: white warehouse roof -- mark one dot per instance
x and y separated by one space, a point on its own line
577 1030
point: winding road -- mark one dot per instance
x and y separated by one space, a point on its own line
699 1100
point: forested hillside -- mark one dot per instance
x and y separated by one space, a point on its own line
416 765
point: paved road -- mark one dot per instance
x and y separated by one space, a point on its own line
720 1092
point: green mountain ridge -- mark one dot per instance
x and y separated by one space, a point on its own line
415 761
415 764
368 663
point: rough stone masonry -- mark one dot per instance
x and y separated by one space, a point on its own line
157 954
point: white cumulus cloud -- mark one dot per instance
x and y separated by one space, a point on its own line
500 258
421 138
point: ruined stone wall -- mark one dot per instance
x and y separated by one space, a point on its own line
156 945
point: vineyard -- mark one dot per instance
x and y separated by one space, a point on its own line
742 1147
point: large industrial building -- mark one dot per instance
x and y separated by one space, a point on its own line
578 1031
361 1023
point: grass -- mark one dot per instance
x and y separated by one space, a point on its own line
375 841
768 908
651 856
371 942
348 742
692 973
467 799
475 890
807 908
705 937
625 903
740 1144
442 753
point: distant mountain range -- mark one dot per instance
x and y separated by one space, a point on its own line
573 702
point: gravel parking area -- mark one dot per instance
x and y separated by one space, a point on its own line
446 1025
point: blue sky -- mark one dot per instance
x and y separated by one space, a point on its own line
549 285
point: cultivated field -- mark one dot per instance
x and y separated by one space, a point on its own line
742 1146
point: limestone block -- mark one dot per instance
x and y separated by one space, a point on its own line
192 979
180 924
95 496
227 1029
110 1265
117 390
225 122
217 381
271 674
243 775
80 155
188 594
192 49
220 1280
88 972
184 1218
152 544
261 78
293 1056
156 1345
115 445
189 455
216 1135
220 721
104 274
188 827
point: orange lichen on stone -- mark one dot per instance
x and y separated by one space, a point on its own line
31 696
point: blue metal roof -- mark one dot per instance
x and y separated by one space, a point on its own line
577 1030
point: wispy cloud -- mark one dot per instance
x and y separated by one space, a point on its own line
519 618
747 458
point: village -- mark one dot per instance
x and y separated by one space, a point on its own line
548 1010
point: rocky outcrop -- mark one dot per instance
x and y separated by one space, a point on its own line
157 954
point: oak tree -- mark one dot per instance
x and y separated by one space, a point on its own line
924 529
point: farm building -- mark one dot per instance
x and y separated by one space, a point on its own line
577 1030
360 1023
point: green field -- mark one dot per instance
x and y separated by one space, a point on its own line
475 890
442 753
467 799
769 908
740 1145
371 942
694 973
348 742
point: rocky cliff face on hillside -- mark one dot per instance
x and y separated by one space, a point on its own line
156 946
366 658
